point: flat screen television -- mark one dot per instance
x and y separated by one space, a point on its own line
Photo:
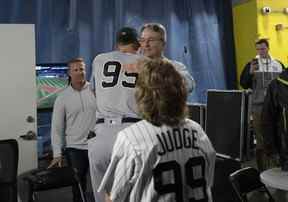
51 79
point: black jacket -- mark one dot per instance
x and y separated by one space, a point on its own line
246 79
275 118
259 80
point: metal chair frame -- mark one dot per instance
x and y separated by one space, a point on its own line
247 180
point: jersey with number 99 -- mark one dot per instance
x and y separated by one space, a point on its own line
168 164
114 87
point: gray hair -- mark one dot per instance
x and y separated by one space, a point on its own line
156 27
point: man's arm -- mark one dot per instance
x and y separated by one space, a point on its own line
190 82
58 126
246 78
92 79
210 153
269 120
119 177
283 66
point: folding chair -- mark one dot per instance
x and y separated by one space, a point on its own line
9 155
52 178
247 180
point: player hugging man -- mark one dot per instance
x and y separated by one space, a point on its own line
166 156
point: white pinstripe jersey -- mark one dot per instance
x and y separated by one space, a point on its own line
114 87
162 164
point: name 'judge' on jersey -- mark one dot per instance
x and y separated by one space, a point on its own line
164 157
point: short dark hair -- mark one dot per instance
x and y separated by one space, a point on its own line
161 93
265 41
126 36
74 60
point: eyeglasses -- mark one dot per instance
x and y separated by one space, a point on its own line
149 40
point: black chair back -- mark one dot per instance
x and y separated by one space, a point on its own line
52 178
222 190
247 180
9 155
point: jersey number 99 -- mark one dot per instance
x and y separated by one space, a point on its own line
114 73
177 186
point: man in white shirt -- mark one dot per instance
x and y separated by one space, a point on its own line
72 120
257 75
153 40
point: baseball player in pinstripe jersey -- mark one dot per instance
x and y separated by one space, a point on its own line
165 157
116 105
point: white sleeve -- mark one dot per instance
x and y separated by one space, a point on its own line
92 80
190 82
58 126
210 153
121 173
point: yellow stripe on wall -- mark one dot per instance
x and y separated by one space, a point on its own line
250 24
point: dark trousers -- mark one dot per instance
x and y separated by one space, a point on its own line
78 159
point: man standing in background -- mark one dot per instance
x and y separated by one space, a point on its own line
72 120
256 75
153 40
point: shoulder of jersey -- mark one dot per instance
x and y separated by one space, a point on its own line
194 124
174 62
104 55
130 55
134 126
177 63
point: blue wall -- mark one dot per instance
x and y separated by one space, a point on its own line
199 32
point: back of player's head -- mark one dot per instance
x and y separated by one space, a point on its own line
126 36
161 93
156 27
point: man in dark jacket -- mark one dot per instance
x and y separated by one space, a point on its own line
257 75
275 119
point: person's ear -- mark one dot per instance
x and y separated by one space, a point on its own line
69 71
163 44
